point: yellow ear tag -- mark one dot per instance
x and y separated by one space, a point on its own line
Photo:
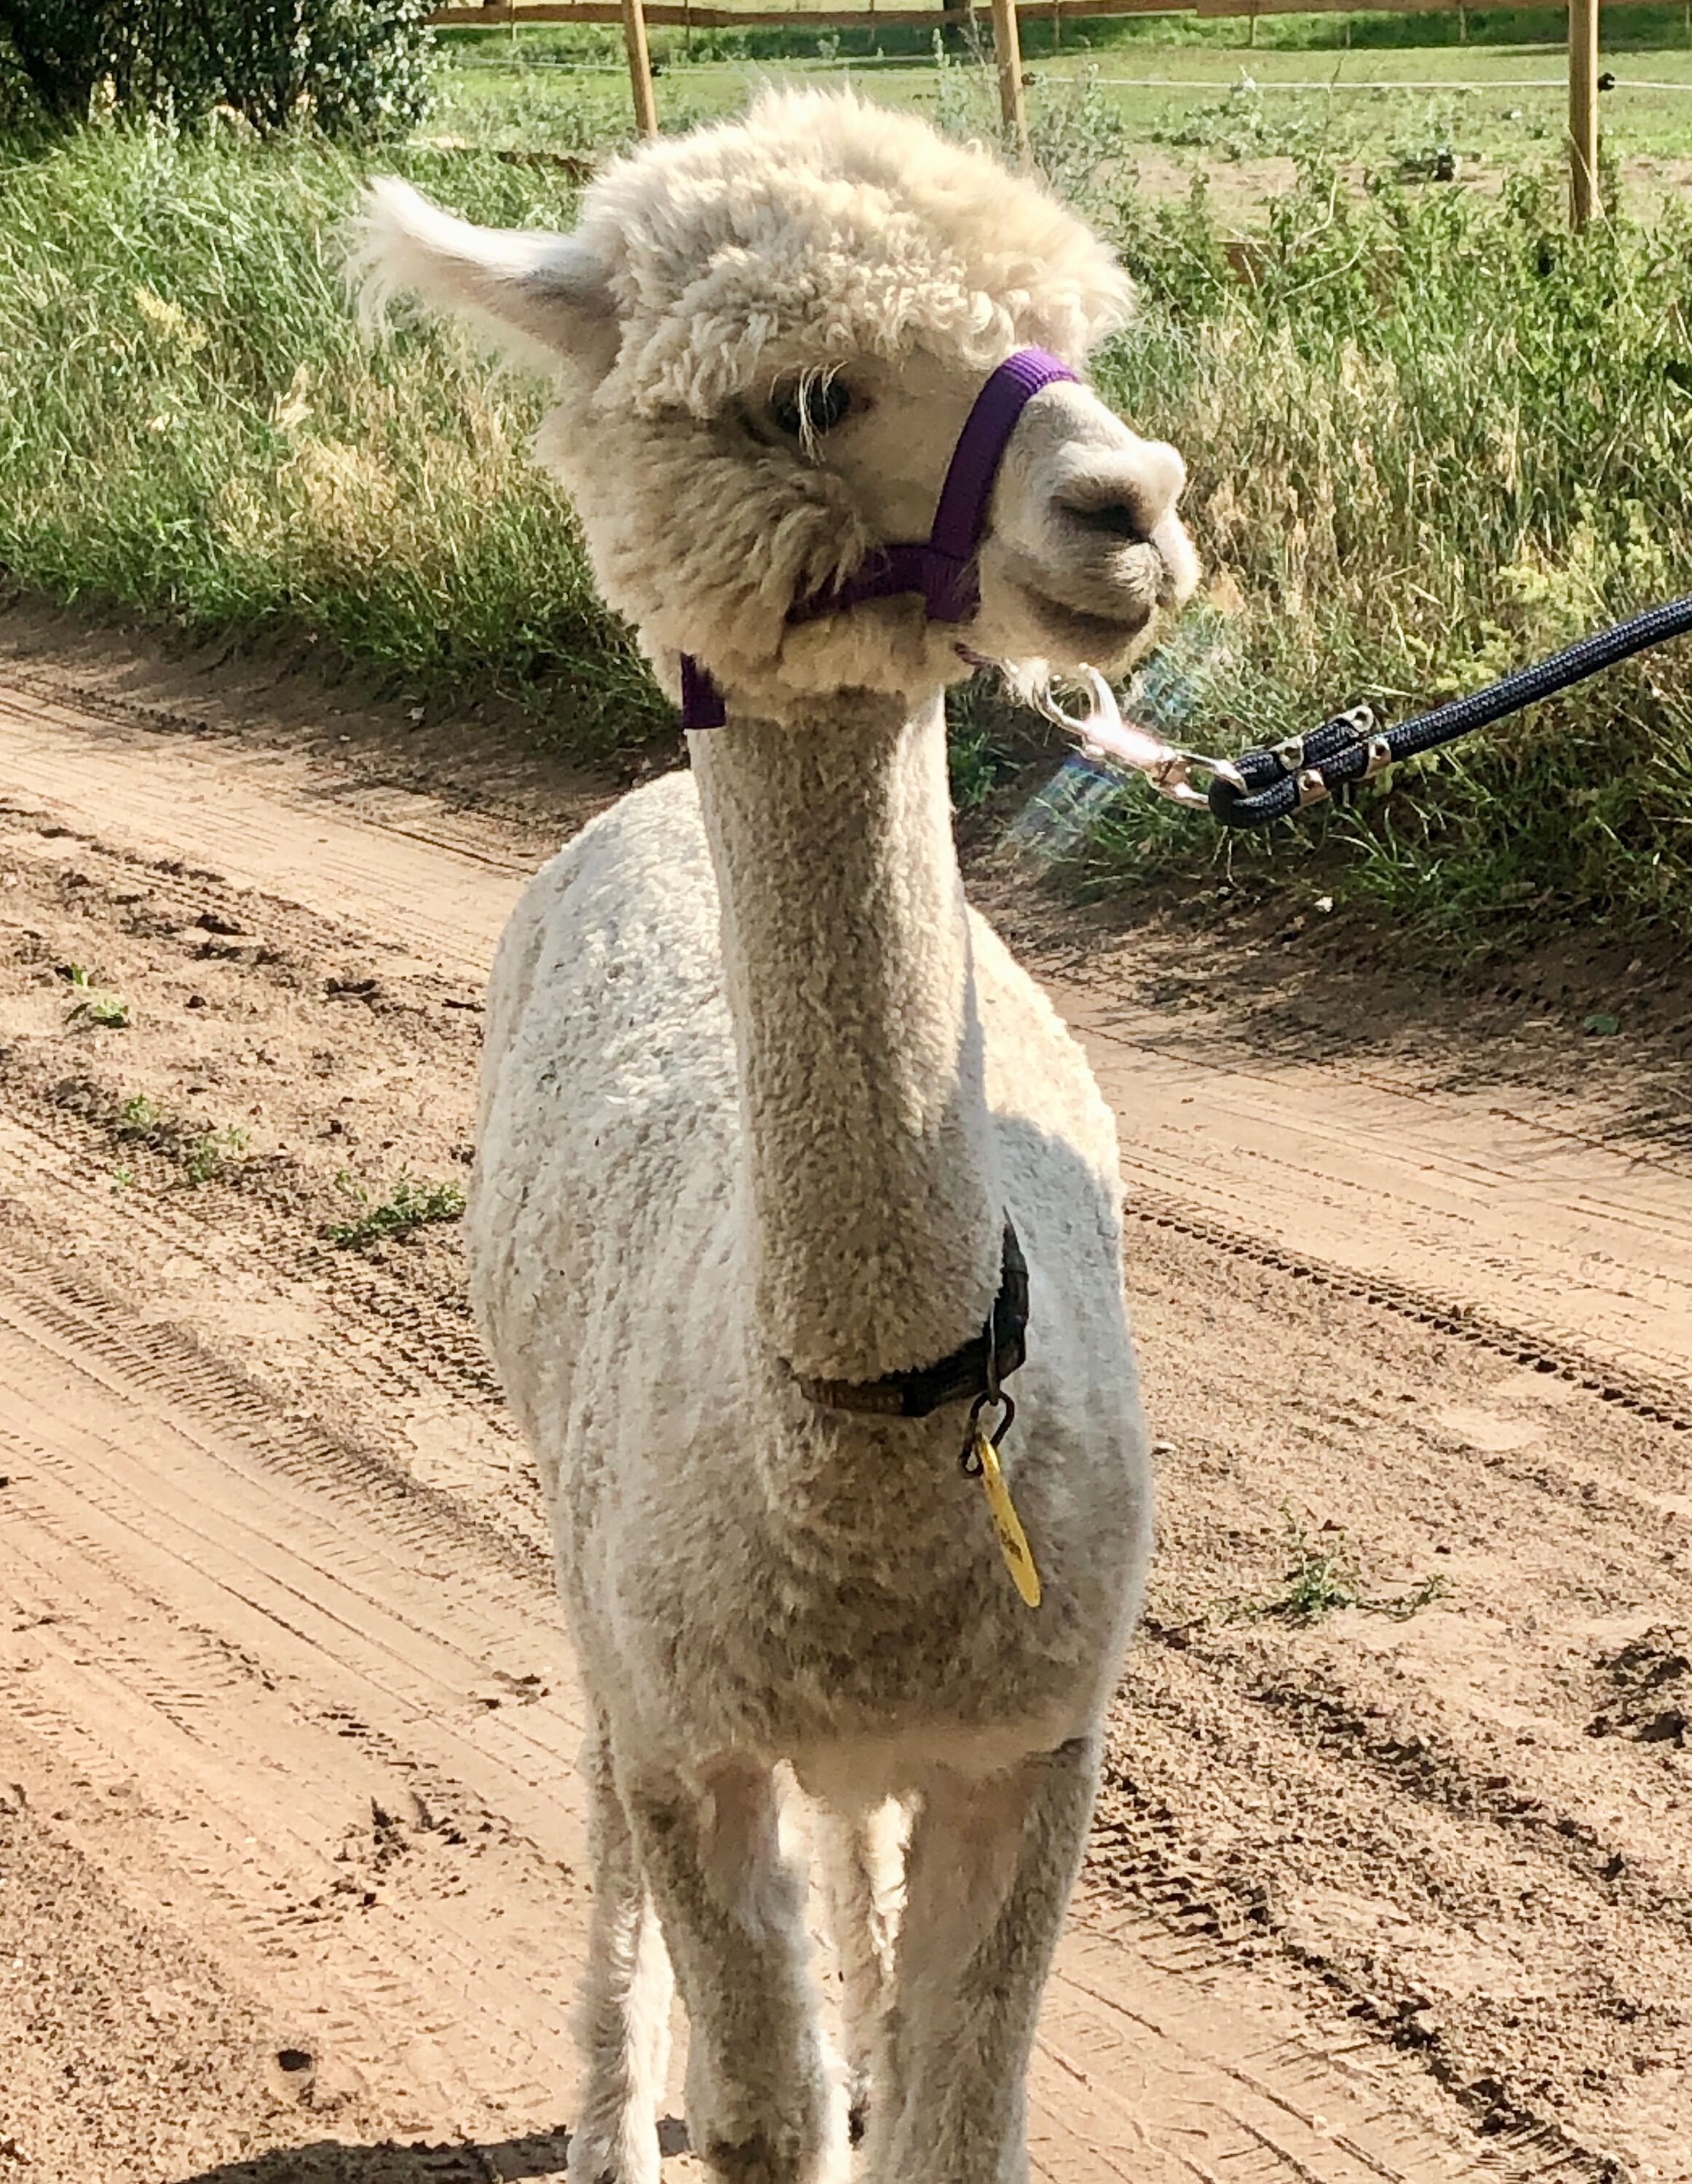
1013 1540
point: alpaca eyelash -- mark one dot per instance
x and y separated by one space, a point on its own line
812 407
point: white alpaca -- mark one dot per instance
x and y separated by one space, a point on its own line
760 1094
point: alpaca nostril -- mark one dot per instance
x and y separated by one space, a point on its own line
1111 519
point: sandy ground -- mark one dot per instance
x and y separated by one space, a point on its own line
290 1849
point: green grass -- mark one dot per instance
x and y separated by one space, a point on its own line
1323 83
192 425
1496 110
1432 438
1319 1576
408 1207
1439 436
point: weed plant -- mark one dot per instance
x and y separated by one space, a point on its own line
408 1205
109 1011
1321 1576
214 1156
1425 138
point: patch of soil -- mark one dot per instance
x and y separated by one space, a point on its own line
1649 1689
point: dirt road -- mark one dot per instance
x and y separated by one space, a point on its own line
1393 1876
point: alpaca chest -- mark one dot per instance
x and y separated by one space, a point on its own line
753 1630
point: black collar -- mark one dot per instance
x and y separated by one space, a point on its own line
959 1378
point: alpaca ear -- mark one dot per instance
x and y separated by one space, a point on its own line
547 294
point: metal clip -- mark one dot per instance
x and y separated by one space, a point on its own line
970 1461
1103 733
1380 758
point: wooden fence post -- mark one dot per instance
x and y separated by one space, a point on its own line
1008 47
1583 111
640 68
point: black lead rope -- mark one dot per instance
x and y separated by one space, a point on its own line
1274 784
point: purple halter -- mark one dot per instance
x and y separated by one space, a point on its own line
943 567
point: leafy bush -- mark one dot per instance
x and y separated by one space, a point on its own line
347 65
352 66
63 51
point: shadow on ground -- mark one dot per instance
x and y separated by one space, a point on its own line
539 2154
1268 980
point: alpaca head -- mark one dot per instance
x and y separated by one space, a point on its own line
767 336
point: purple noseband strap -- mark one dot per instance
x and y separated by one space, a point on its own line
943 568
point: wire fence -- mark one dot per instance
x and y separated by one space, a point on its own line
1583 81
1340 84
683 14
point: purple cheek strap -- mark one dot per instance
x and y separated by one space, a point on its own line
943 568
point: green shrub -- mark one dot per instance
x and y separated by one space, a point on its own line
346 66
350 66
63 51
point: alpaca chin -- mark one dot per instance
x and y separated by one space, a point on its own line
1035 639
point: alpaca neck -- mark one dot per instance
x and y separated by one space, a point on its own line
877 1219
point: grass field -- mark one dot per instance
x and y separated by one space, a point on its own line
1433 435
1241 117
1500 104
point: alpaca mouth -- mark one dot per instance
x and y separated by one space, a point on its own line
1082 631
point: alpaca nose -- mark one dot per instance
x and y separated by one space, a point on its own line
1125 495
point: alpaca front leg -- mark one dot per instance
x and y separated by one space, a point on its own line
862 1859
623 2019
991 1866
732 1909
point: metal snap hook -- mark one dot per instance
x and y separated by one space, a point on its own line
1103 733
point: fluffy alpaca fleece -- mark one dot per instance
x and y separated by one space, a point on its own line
819 232
759 1092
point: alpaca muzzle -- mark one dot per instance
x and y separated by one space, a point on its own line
942 567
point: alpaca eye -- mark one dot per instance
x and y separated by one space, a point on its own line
814 407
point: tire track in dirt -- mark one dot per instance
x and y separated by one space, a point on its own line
153 1500
1663 1402
1441 1818
217 803
1269 1139
1452 1201
391 1339
186 1565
